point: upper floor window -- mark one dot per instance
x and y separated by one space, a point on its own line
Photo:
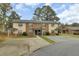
52 24
43 24
30 24
20 24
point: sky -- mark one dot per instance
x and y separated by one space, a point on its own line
67 12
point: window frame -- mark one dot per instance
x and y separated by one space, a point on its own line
20 24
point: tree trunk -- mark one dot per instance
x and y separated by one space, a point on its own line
3 28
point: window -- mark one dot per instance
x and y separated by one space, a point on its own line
30 24
52 24
30 30
43 24
20 24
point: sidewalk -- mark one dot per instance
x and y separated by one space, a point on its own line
37 43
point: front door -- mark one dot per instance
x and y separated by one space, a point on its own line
38 32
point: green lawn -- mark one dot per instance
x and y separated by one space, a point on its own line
69 35
45 38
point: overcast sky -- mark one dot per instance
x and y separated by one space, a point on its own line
67 12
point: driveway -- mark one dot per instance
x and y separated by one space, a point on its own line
19 46
65 46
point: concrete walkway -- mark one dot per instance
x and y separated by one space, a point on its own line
20 46
63 47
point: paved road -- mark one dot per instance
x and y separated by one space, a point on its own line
65 46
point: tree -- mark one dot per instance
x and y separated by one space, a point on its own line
13 17
75 24
46 13
37 14
4 9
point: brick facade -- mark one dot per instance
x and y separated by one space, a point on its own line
33 27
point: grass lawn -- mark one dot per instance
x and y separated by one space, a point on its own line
45 38
5 37
69 35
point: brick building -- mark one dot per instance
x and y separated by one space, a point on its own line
34 27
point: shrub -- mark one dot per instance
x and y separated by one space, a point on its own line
24 34
57 33
47 33
76 33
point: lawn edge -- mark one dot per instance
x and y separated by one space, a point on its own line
47 39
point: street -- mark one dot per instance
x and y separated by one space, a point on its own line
65 46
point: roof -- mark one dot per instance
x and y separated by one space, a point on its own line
32 21
73 28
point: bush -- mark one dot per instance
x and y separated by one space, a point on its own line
57 33
24 34
47 33
76 33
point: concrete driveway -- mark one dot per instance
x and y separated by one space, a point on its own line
19 46
65 46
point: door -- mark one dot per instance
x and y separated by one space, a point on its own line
38 32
